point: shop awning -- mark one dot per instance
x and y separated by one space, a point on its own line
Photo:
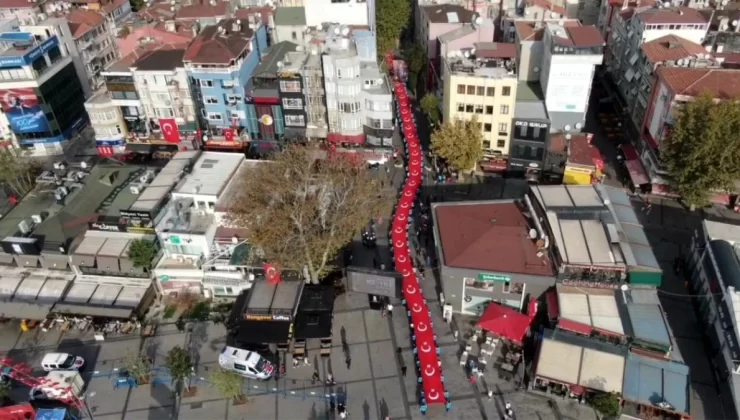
24 310
559 361
572 326
637 172
92 310
505 322
258 332
629 152
601 371
313 325
553 310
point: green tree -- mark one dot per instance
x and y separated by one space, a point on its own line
228 383
702 152
17 172
180 366
606 403
142 253
301 211
4 390
137 5
391 18
459 142
430 105
416 58
138 365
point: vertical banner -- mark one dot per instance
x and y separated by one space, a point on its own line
169 130
23 110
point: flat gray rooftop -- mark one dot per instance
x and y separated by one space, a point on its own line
285 295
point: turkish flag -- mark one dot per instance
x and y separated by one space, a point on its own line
272 273
169 130
229 134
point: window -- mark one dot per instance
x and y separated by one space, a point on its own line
461 89
487 127
489 109
479 109
486 144
215 116
506 91
522 131
292 103
491 91
211 100
503 128
206 83
294 35
238 366
480 91
501 143
164 112
536 133
469 108
290 86
471 90
504 109
506 287
295 121
349 107
460 107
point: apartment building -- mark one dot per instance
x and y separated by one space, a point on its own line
220 62
481 83
42 96
571 54
108 124
347 12
534 12
358 98
94 41
27 12
137 32
290 25
312 72
294 101
723 36
674 87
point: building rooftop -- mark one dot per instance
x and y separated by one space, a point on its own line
235 184
580 150
290 16
157 187
526 31
594 309
575 35
651 381
468 63
663 16
530 110
529 91
220 44
686 81
470 233
203 9
670 48
19 4
160 60
211 173
124 64
139 33
645 320
83 21
265 12
495 50
606 232
274 298
448 13
271 64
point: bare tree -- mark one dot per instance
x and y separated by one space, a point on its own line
18 173
301 212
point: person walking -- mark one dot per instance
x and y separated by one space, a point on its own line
315 377
403 370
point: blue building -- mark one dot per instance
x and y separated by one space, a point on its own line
219 63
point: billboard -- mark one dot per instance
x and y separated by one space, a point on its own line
374 282
23 110
30 54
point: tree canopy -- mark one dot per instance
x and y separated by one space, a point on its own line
228 383
430 105
142 253
459 142
301 211
179 364
18 173
702 152
607 404
137 364
391 18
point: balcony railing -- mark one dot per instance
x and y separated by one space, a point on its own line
98 272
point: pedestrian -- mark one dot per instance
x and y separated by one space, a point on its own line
403 370
507 406
332 404
375 262
389 309
490 395
349 361
315 377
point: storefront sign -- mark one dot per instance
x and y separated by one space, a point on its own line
494 277
135 214
230 144
120 228
590 284
107 228
261 317
530 124
121 87
224 281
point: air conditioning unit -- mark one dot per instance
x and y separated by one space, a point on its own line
135 189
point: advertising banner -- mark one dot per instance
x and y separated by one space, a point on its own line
30 55
23 111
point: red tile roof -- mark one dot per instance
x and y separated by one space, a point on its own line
489 237
495 50
264 12
670 48
720 83
627 14
153 33
157 11
672 15
111 6
547 5
212 47
83 21
528 32
125 63
203 10
584 36
579 151
20 4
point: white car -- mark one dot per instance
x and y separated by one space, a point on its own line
246 363
62 361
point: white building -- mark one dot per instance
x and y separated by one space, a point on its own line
197 246
347 12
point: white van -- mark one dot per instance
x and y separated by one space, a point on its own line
246 363
67 384
61 361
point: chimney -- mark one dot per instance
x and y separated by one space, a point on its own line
170 26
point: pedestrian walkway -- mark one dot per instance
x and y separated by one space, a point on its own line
424 340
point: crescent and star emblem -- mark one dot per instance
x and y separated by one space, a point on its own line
271 272
167 128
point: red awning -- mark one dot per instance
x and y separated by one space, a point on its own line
596 157
629 152
493 165
721 199
553 309
576 327
663 190
577 389
505 322
342 138
637 172
532 308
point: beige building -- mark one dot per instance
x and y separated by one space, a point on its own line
481 82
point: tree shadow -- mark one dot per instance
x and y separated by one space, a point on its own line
197 338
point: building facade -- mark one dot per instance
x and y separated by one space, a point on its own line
108 124
481 83
294 101
528 146
94 41
220 62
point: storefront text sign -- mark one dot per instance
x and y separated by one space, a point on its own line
494 277
260 317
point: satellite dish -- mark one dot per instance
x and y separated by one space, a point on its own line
337 31
279 64
345 31
578 126
567 127
532 233
536 69
478 20
466 54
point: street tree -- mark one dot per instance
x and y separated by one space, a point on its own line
300 212
228 383
391 18
415 57
180 366
606 403
138 365
459 142
702 151
18 173
4 390
430 106
142 253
